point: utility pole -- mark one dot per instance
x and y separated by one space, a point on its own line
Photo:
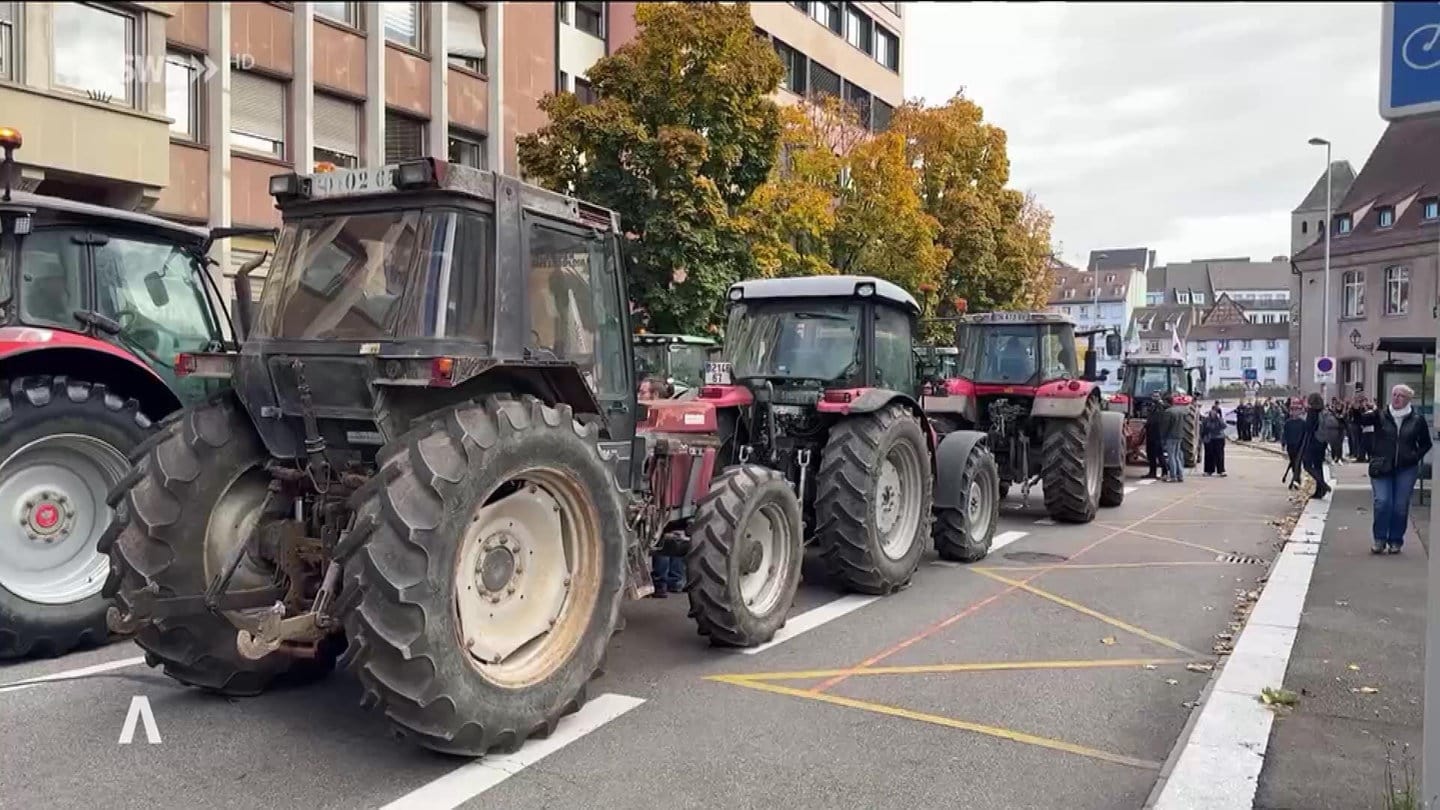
1329 224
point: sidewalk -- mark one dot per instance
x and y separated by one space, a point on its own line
1362 627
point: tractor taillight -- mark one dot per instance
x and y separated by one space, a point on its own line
1074 385
205 366
442 372
840 396
711 392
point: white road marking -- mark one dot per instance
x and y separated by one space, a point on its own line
1045 522
1129 490
1004 539
1219 765
811 619
468 781
72 674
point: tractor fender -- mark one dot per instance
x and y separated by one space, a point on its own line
1062 399
1112 428
850 401
27 350
950 459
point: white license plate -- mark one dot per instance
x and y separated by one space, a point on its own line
719 374
352 181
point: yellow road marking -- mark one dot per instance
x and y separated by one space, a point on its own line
1177 541
940 669
1093 566
1079 608
948 722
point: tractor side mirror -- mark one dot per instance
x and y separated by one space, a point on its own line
1112 344
1120 373
155 286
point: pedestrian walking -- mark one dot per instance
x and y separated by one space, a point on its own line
1402 439
1154 437
1292 435
1174 433
1212 435
1313 453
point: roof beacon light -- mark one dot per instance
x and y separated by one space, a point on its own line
10 140
423 173
736 293
865 290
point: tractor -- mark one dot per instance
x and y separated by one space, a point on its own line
1141 379
670 365
941 361
95 303
1017 382
813 421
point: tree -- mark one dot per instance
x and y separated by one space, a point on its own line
998 238
683 132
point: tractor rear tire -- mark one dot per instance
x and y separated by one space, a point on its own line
964 535
485 504
193 493
1112 489
1073 456
1190 441
749 520
873 500
70 439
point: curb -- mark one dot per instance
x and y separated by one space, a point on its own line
1217 764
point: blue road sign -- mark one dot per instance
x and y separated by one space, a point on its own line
1252 374
1410 59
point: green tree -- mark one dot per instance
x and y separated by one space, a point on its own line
683 132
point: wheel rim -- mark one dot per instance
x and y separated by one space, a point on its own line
233 520
978 506
765 558
527 577
897 500
52 513
1095 456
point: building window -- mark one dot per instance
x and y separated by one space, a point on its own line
1200 346
1084 312
584 92
1430 209
1352 297
590 18
880 115
794 62
859 30
467 149
1183 297
257 114
1304 226
1154 299
1270 363
1109 278
887 48
1245 345
402 23
1068 294
182 96
1224 364
823 81
1198 298
95 51
465 39
827 14
1065 310
347 13
1343 223
1224 345
1397 290
1270 344
10 41
1352 371
337 131
1152 346
404 137
1385 216
1246 361
859 98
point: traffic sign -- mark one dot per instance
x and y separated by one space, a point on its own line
1324 369
1252 374
1410 60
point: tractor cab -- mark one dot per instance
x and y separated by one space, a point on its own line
1016 348
1142 379
670 365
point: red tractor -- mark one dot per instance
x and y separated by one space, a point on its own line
815 419
1018 383
1141 380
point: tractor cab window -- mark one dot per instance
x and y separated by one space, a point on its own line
1150 380
154 291
999 354
894 362
795 340
687 363
1057 353
52 278
573 304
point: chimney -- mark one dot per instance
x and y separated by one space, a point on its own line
1150 261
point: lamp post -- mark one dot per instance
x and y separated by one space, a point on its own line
1329 223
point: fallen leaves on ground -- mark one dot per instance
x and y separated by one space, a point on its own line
1108 640
1200 667
1171 681
1353 667
1364 690
1273 696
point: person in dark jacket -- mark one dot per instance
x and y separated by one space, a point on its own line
1154 437
1242 422
1354 411
1173 429
1334 428
1312 455
1292 435
1402 438
1212 436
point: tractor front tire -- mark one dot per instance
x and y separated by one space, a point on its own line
1190 441
1112 489
743 565
1073 464
964 535
483 574
194 493
63 446
873 500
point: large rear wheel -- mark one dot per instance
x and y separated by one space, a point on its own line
484 574
63 445
964 535
873 501
744 561
1073 465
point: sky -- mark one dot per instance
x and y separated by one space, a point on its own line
1178 127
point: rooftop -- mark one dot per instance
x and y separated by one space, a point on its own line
1342 175
1121 259
1081 285
821 287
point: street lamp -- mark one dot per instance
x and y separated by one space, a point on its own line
1329 216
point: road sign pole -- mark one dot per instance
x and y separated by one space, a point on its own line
1329 224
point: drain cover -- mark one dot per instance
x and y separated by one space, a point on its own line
1239 559
1035 557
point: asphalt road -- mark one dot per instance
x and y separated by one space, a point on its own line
1052 674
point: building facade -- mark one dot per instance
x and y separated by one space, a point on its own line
1385 258
1102 297
1307 224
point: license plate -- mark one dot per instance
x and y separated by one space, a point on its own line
352 181
719 374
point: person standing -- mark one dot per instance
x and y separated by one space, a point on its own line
1358 436
1279 413
1332 424
1257 420
1174 433
1154 437
1212 435
1313 453
1293 437
667 574
1402 438
1242 422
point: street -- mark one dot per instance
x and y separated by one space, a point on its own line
1052 674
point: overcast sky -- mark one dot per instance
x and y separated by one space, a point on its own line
1178 127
